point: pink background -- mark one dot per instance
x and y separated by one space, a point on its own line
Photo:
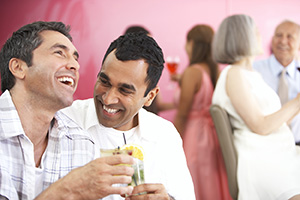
96 23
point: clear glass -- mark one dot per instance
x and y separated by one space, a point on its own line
138 175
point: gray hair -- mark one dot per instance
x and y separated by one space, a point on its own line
235 39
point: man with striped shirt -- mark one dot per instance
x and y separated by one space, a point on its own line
39 145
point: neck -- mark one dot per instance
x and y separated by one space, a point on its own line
35 120
245 63
285 63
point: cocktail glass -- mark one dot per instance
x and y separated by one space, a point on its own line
138 175
172 66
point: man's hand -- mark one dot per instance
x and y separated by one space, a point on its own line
149 191
94 180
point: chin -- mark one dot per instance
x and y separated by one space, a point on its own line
68 102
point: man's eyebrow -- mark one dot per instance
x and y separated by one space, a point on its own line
103 75
128 86
124 85
62 46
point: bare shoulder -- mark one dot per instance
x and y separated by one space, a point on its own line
235 73
192 72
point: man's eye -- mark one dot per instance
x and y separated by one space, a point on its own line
59 52
125 91
104 82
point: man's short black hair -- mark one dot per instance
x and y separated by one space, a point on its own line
136 46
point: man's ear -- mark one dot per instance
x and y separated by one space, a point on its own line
151 96
17 67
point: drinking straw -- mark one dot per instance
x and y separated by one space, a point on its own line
124 138
134 179
133 176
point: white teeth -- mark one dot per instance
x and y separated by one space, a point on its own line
66 80
109 110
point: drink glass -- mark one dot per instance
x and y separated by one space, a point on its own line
138 175
172 65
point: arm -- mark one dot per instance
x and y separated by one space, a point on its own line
190 84
94 180
246 105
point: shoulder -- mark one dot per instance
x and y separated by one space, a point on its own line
232 72
261 65
78 106
82 104
236 76
149 119
156 128
192 72
81 111
195 68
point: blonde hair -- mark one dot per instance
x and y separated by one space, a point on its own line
235 39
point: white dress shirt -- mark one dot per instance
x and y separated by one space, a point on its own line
270 69
164 160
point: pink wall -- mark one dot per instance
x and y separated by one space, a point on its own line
95 23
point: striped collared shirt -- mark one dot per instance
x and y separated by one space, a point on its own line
68 147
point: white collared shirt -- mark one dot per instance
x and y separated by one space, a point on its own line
68 147
164 156
270 69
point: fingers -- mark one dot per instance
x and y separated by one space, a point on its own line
120 165
119 159
149 191
126 190
97 179
149 188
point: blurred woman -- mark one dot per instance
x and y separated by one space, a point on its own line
193 120
268 160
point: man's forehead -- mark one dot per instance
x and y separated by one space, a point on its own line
55 37
288 27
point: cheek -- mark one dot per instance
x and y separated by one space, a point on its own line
98 88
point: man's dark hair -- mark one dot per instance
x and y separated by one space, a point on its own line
136 29
136 46
21 45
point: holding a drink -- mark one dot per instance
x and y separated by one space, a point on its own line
172 64
135 151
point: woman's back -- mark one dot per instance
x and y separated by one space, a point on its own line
263 160
201 144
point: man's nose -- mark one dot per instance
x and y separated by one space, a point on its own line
73 64
110 97
284 39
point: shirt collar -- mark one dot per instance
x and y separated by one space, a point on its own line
8 109
64 123
144 124
277 67
11 119
91 118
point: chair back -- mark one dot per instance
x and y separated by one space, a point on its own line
225 135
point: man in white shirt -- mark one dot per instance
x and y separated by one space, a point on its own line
127 81
285 48
39 145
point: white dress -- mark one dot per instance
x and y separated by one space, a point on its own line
268 166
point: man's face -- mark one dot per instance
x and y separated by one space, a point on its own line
119 92
53 77
285 43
